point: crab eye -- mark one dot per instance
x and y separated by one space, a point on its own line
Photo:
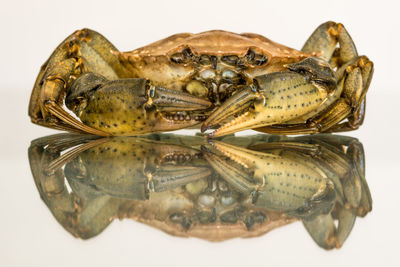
182 57
260 60
256 59
152 91
231 60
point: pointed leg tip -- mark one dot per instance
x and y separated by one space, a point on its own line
203 128
210 135
204 149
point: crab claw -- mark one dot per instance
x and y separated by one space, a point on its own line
132 106
276 98
249 102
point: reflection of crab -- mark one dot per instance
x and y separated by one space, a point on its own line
214 193
179 81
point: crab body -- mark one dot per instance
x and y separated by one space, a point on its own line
209 63
214 76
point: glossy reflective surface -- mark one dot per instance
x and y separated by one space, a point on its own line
214 190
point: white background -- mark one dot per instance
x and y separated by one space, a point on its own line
30 30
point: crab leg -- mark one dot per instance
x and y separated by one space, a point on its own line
355 78
70 59
51 100
324 39
357 75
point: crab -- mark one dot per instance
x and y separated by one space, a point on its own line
205 80
187 187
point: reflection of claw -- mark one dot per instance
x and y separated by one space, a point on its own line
278 181
103 173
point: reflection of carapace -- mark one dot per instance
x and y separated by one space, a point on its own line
233 187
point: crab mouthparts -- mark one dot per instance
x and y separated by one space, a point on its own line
183 116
